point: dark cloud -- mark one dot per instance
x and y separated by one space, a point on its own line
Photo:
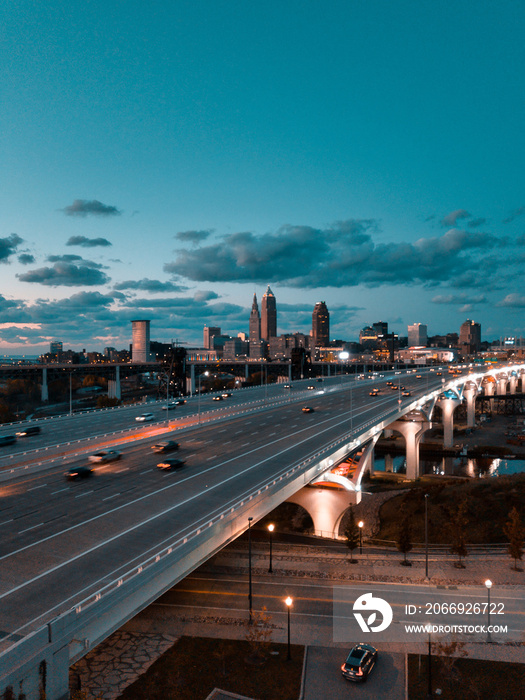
146 285
452 218
63 258
342 255
459 299
476 223
514 215
194 237
85 207
26 259
8 246
88 242
67 274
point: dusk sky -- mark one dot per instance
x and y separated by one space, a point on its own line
166 160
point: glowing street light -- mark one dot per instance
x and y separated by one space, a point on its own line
289 603
271 528
360 526
488 584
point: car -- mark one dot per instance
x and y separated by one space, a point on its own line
217 398
374 392
30 430
310 386
170 406
145 417
287 386
165 446
320 379
307 409
226 395
359 663
105 456
7 439
405 393
180 402
168 464
79 473
393 387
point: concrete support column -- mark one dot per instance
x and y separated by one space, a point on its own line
502 386
513 383
389 463
490 388
290 372
246 373
470 396
448 406
412 431
387 433
192 379
118 389
523 382
44 393
326 507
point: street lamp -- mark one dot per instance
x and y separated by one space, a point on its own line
250 567
426 536
271 528
289 602
206 374
429 687
360 525
488 584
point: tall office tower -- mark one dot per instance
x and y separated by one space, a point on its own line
209 332
470 336
268 315
255 322
56 346
381 327
320 325
140 340
417 335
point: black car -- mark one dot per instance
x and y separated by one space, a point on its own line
307 409
168 464
79 473
180 402
30 430
7 439
170 406
165 446
359 662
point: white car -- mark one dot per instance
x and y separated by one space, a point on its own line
144 417
105 456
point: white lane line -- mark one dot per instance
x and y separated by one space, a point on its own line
146 471
30 528
227 443
7 521
122 470
110 497
36 487
81 495
212 457
245 444
66 488
272 434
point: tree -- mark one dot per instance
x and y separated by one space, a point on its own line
404 536
515 533
448 653
259 632
351 534
457 525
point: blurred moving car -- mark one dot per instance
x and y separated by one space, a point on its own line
7 439
374 392
180 402
217 398
405 393
168 464
165 446
79 473
307 409
169 406
359 662
310 386
30 430
105 456
145 417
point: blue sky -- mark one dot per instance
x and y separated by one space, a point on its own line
165 160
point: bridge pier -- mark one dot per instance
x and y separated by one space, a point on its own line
114 391
470 394
325 506
513 382
523 382
448 406
502 386
412 431
44 392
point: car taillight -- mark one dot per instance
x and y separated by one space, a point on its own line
343 667
359 672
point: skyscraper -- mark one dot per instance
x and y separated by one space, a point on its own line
417 335
470 337
320 325
268 315
255 322
209 333
140 341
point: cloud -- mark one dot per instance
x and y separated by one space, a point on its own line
147 285
475 223
67 274
205 295
452 218
8 246
514 300
88 242
514 215
342 255
459 299
26 259
85 207
194 237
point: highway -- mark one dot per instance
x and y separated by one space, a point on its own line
61 540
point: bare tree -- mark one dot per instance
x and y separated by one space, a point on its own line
515 533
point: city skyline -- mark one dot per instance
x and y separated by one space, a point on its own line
167 164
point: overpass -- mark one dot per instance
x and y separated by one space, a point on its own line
80 560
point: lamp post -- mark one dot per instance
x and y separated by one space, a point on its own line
199 411
426 536
488 584
271 528
429 687
288 602
250 567
360 525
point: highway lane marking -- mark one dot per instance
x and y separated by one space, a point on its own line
81 495
60 490
237 610
272 434
36 487
227 443
7 521
212 457
109 497
146 471
30 528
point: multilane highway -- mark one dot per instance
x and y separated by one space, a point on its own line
60 541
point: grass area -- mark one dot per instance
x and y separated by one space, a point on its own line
469 679
194 666
489 502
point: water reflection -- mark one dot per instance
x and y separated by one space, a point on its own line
453 466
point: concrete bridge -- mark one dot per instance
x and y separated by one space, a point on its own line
70 588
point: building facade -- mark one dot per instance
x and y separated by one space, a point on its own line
208 335
417 335
320 325
469 337
268 315
141 342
